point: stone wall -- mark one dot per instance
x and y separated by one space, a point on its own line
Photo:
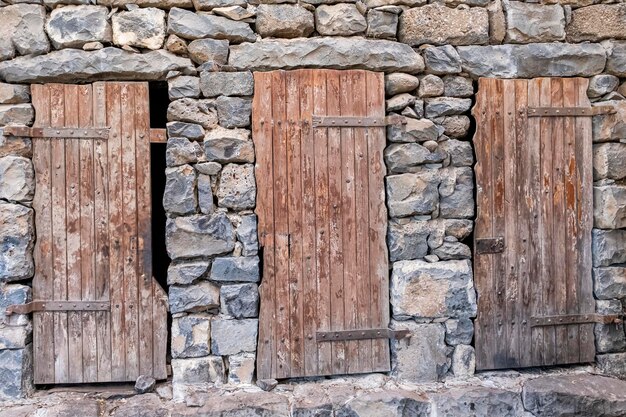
431 51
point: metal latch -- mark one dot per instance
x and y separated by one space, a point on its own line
575 319
362 334
490 245
569 111
356 121
58 306
57 132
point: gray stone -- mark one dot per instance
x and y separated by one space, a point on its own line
371 4
459 331
430 86
616 60
176 45
608 247
326 52
74 26
398 83
16 373
22 30
463 361
454 126
390 402
230 337
339 20
145 384
528 22
456 86
453 250
442 60
198 370
267 384
606 307
241 368
190 131
235 269
479 401
199 235
17 179
228 145
410 194
597 22
582 394
179 196
610 337
198 297
205 194
16 337
186 272
609 206
612 364
399 102
235 12
284 21
446 106
208 50
181 151
247 235
240 301
381 25
143 28
409 157
602 84
457 193
436 24
609 282
237 187
191 336
17 237
234 111
609 127
215 84
206 5
183 86
12 294
16 114
74 65
533 60
190 25
162 4
432 290
415 130
202 112
14 93
209 168
407 239
424 358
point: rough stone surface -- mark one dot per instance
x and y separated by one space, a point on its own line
247 235
597 22
608 247
234 111
602 84
616 60
284 21
237 268
190 131
143 28
74 26
609 282
607 161
16 372
456 126
202 112
408 195
198 370
610 337
230 337
186 272
228 145
446 106
241 368
145 384
528 22
194 298
214 84
22 30
190 336
459 331
176 45
11 294
612 364
609 206
179 196
14 94
415 130
397 83
205 50
190 25
381 25
430 86
456 86
17 238
442 60
479 401
183 86
533 60
339 20
424 358
452 250
409 157
461 153
237 187
73 65
608 127
205 194
439 25
206 5
16 114
17 179
326 52
386 403
432 290
199 235
181 151
240 301
463 361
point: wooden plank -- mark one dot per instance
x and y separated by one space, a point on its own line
160 329
157 135
262 136
101 243
43 323
322 224
87 236
378 259
129 232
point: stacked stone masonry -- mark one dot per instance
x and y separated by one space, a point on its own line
432 53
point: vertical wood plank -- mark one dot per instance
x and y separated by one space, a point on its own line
160 329
43 323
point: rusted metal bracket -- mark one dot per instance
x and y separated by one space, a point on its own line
58 306
57 132
362 334
569 111
574 319
356 121
490 245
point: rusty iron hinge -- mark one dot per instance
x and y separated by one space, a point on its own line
569 111
57 132
58 306
362 334
356 121
490 245
574 319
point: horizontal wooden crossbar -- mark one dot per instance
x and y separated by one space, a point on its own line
362 334
490 245
574 319
568 111
54 132
58 306
356 121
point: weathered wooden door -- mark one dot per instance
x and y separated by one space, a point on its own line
532 240
322 222
102 317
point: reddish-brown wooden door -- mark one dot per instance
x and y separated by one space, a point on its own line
92 215
534 193
322 222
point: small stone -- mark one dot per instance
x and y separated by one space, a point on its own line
228 145
190 336
209 168
463 361
456 86
459 331
610 127
421 130
202 296
461 153
409 195
442 60
446 106
179 196
17 179
247 235
600 85
399 102
190 25
236 269
205 194
22 31
609 282
234 111
423 358
202 112
142 28
241 368
240 301
93 46
609 203
597 22
454 126
237 187
453 250
145 384
267 384
612 364
181 151
431 258
284 21
14 93
398 83
230 337
208 369
183 86
381 25
208 50
215 84
17 237
610 337
408 157
199 235
497 22
339 20
206 5
16 365
190 131
17 114
529 22
14 294
608 247
430 86
186 272
73 26
234 12
176 45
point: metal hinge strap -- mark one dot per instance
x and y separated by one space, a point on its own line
356 121
574 319
40 305
490 245
57 132
362 334
569 111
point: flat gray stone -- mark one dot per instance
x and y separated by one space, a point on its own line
442 60
459 331
190 25
205 194
22 31
611 126
616 61
393 402
186 130
240 300
410 194
16 370
424 358
17 237
237 187
398 83
17 114
235 269
602 84
191 336
141 28
205 5
208 369
12 294
74 26
202 112
181 151
234 111
208 50
608 247
609 282
179 196
529 22
342 19
479 401
446 106
228 145
415 130
230 337
199 235
215 84
183 86
609 206
202 296
17 179
381 25
186 272
14 93
612 364
247 235
284 21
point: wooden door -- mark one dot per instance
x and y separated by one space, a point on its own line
532 239
93 249
322 222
